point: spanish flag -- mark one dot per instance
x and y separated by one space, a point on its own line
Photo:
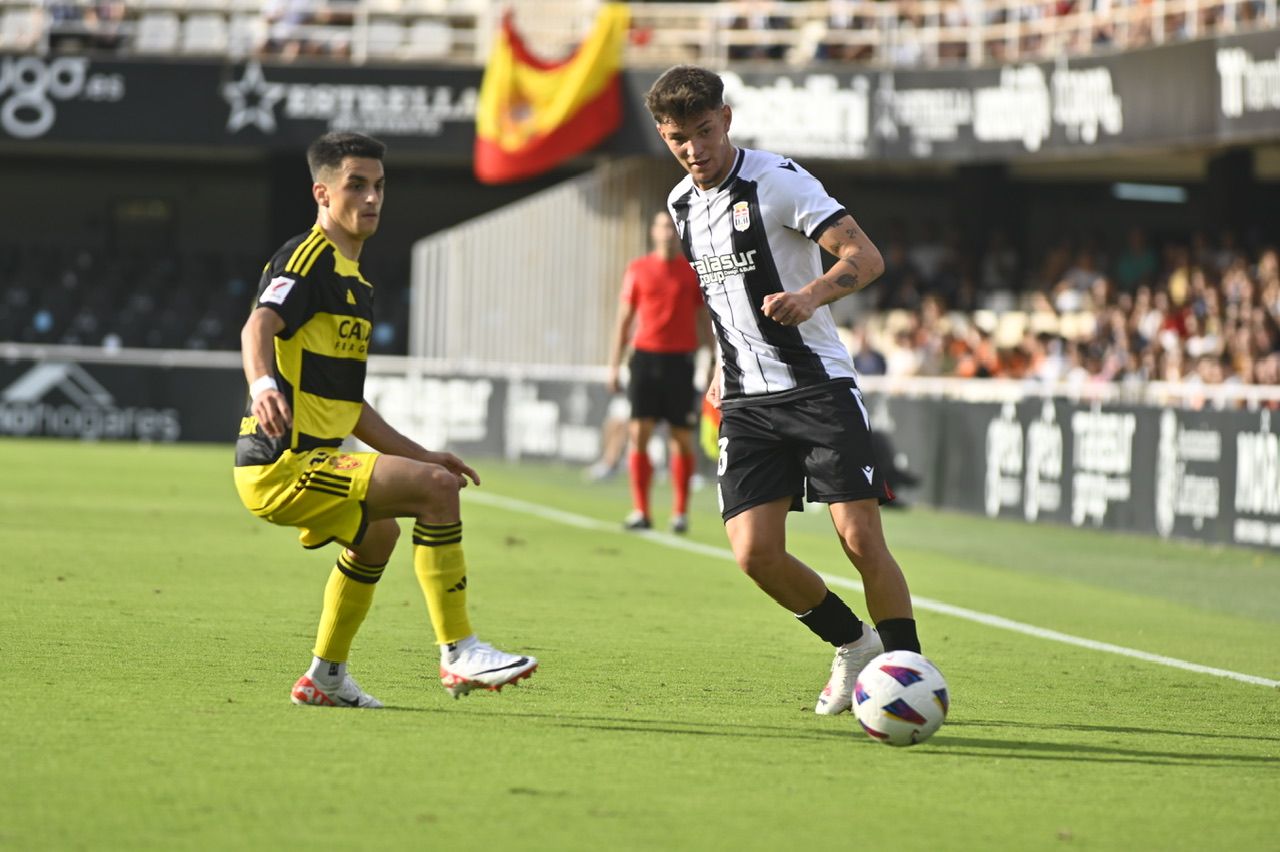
709 430
535 114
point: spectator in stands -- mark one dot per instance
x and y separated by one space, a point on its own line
929 253
900 283
1226 254
1137 265
757 16
105 22
64 26
867 360
902 358
306 28
904 48
287 27
999 269
843 18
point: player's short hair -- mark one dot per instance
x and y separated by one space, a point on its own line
329 150
684 92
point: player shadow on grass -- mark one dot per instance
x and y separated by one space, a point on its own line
642 725
946 742
1113 729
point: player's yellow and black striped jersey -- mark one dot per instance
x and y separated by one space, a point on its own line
327 308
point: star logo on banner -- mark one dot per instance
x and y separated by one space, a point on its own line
253 100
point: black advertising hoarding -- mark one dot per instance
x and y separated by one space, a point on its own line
1204 92
75 99
1207 475
97 401
1169 95
1247 72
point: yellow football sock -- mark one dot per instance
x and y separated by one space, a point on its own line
442 572
347 598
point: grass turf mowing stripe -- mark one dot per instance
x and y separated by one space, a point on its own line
668 540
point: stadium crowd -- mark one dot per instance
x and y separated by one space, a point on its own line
901 34
1177 310
1191 309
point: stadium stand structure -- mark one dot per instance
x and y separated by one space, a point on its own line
892 33
1198 301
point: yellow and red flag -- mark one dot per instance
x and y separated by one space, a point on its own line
535 114
709 430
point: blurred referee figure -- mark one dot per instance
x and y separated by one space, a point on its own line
752 223
661 298
304 349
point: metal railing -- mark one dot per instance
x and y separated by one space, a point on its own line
891 33
1181 395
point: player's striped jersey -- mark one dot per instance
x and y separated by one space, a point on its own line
327 308
753 235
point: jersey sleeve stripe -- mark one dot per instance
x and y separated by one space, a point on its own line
827 223
298 253
315 255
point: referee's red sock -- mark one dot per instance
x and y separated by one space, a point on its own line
681 473
641 476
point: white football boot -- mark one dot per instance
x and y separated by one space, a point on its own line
850 660
346 693
471 664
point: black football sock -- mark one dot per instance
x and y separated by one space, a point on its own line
898 634
833 621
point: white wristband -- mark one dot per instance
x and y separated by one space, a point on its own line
261 384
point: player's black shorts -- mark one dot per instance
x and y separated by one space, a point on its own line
661 388
773 451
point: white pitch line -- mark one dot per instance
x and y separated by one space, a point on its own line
667 540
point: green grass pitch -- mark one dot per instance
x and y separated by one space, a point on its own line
150 630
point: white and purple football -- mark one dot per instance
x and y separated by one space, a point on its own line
900 698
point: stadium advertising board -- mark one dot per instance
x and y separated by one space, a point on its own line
66 399
1248 75
1200 474
1198 92
90 101
1209 475
515 418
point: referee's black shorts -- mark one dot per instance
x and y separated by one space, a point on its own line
661 388
819 444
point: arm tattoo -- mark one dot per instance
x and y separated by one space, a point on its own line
848 282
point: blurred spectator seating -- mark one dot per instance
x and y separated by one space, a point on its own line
899 33
143 299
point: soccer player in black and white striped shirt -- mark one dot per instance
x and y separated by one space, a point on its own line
751 223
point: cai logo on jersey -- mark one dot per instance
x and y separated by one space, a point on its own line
718 267
741 216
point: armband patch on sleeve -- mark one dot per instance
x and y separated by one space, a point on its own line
277 290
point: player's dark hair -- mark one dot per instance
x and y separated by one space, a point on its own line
329 150
684 92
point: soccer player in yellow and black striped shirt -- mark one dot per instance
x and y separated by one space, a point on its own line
304 349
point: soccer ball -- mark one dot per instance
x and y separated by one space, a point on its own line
900 698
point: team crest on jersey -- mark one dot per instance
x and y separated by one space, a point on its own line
741 216
344 462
